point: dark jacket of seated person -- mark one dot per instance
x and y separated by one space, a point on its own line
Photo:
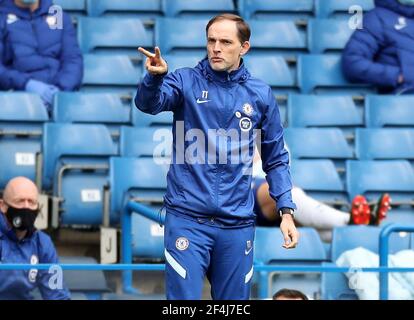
382 52
39 51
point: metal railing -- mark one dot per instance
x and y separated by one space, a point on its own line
127 267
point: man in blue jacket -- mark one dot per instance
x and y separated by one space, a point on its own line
209 228
382 52
36 55
20 242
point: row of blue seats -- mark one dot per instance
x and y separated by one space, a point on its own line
314 74
174 34
86 150
246 8
299 111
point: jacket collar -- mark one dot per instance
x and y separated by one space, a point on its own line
236 76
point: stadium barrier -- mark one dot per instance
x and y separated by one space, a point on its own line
127 267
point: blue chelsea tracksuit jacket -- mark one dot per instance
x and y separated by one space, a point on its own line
209 226
31 49
37 248
205 99
383 49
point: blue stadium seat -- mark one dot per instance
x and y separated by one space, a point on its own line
309 252
327 34
270 8
141 8
74 7
323 111
21 125
320 179
327 8
389 111
318 73
317 143
92 284
105 108
172 34
75 164
96 34
106 71
371 144
392 176
309 249
317 175
335 285
351 237
288 35
196 8
144 181
80 107
400 216
141 119
145 142
273 70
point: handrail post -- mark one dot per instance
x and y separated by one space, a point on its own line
126 238
383 253
126 248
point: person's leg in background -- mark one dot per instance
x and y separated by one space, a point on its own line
188 246
309 212
313 213
231 267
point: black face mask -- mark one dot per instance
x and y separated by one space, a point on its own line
22 219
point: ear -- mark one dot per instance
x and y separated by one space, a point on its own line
3 206
245 48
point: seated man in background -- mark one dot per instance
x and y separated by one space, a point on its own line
311 212
20 242
382 52
38 53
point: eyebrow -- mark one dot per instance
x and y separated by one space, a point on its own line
222 39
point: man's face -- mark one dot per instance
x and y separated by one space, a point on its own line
20 196
224 48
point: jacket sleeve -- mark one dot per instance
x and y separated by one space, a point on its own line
159 93
10 79
275 157
70 73
50 282
358 63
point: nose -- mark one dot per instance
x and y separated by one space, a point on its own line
217 47
27 204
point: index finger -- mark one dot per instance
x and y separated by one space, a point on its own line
146 52
157 52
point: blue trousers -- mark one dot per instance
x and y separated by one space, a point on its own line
195 248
